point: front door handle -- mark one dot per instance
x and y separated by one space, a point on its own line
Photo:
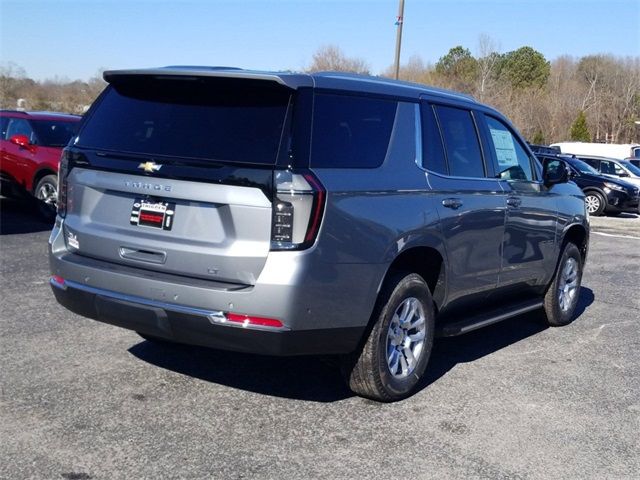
514 201
453 203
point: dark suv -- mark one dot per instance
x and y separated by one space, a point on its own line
291 214
603 194
30 147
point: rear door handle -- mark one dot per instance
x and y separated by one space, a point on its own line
453 203
514 201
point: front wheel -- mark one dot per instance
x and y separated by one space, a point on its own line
395 355
595 203
46 193
561 299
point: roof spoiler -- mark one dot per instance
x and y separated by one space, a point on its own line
288 80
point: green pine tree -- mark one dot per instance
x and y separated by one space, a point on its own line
538 138
579 130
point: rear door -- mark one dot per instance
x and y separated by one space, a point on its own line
174 175
470 203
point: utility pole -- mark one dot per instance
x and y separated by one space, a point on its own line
399 23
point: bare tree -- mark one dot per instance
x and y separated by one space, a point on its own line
331 58
488 58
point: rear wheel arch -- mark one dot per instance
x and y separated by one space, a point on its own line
427 262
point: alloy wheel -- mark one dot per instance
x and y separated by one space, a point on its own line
592 202
48 194
568 284
405 338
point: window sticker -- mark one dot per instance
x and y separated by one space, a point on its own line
505 148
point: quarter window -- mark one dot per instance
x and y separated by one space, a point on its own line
461 142
351 132
513 161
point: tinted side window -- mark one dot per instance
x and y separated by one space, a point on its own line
461 142
432 150
594 163
609 167
19 126
53 133
513 161
351 132
619 170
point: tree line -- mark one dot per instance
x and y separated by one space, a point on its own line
592 98
56 95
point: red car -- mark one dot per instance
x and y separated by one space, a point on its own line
30 148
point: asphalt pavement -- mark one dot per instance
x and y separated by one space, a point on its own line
82 400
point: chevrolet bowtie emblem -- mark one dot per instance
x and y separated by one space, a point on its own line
150 167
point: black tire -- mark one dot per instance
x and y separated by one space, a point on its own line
368 371
46 193
559 313
597 200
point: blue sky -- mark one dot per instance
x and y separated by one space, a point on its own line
75 38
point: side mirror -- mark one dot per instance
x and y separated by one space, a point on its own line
22 141
624 174
554 171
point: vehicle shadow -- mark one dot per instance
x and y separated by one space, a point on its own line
449 352
18 215
624 215
301 378
318 379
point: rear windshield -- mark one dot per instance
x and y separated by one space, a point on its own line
213 119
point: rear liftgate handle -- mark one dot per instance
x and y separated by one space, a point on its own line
453 203
140 255
514 202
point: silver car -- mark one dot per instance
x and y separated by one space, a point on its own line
296 214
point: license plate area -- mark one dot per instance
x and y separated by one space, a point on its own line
153 213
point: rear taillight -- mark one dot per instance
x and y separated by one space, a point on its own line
63 171
58 281
297 210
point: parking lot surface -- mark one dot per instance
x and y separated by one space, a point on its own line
84 400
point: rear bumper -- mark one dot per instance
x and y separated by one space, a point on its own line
196 327
314 301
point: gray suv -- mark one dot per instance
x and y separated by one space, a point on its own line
293 214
